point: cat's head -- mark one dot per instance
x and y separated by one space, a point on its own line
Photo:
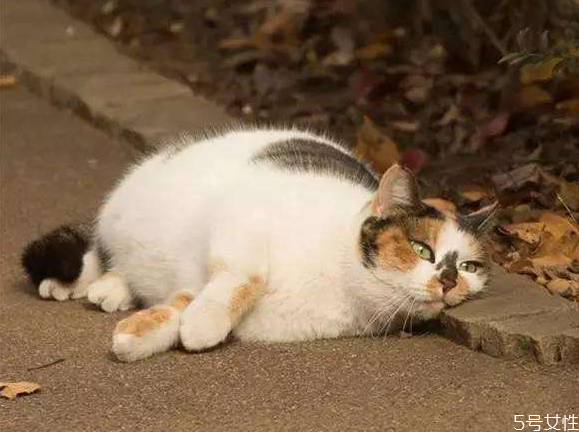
419 255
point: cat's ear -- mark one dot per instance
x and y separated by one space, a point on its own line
483 220
397 189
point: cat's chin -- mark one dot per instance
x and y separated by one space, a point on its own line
429 310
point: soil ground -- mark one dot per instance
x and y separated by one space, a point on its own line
55 169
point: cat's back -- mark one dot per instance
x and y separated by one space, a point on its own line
263 165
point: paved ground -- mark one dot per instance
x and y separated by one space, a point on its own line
55 168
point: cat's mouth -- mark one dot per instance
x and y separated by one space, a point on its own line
430 309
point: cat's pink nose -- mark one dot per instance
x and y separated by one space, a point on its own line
447 284
448 279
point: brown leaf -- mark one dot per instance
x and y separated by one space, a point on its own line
373 51
474 194
236 43
405 126
375 147
531 73
417 95
496 126
529 232
533 96
561 287
569 193
451 115
441 205
517 178
7 81
12 389
414 159
571 106
557 224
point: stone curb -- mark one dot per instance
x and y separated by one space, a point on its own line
517 318
67 62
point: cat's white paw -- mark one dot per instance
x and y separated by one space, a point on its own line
145 333
51 288
110 293
204 326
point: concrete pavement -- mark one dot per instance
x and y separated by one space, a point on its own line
56 168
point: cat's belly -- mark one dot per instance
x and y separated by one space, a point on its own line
281 316
155 237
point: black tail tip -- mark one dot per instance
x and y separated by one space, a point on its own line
56 255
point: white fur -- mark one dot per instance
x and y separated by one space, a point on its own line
178 211
110 293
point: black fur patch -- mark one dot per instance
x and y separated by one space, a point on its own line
302 155
371 227
448 260
57 255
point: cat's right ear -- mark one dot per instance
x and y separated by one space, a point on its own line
398 189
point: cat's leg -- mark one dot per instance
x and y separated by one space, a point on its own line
111 293
150 331
209 319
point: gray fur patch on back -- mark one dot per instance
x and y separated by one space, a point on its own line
311 156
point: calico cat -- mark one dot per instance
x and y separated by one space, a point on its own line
264 234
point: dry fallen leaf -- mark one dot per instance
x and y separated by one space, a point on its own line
375 147
373 51
569 193
450 116
531 73
12 389
441 205
496 126
517 178
571 106
557 225
414 159
532 96
474 194
530 232
405 126
7 81
560 286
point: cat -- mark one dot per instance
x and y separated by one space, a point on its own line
269 235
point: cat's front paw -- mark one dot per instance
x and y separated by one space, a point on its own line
145 333
110 293
51 288
204 325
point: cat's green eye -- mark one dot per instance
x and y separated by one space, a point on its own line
469 266
422 250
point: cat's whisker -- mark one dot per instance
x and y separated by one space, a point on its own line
408 315
393 315
378 314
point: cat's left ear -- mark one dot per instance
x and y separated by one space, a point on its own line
398 189
483 220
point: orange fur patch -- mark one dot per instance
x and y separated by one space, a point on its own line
181 300
427 230
461 287
143 322
434 288
245 296
395 251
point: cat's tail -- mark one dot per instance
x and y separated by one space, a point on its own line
63 262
